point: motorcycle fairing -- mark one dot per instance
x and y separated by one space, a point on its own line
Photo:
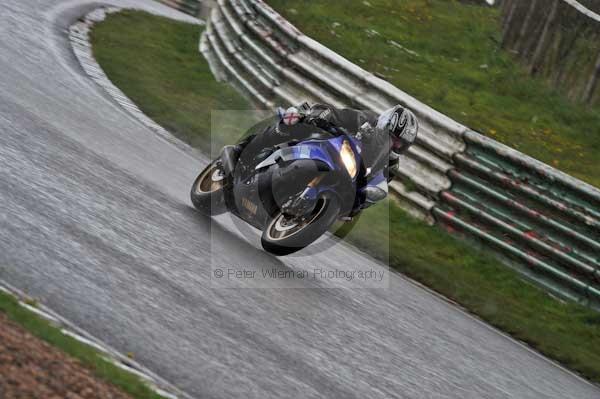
308 150
324 156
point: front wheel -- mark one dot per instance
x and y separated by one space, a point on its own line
286 234
207 191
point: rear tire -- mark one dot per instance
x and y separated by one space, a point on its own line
207 192
285 235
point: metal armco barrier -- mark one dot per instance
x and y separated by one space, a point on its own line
544 223
190 7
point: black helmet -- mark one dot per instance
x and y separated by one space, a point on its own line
402 126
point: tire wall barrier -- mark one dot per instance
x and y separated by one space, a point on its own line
544 223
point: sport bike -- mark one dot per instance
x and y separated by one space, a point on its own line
277 164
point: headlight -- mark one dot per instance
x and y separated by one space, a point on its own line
348 158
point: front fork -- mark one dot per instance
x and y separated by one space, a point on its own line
304 203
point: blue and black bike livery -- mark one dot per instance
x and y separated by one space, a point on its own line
277 164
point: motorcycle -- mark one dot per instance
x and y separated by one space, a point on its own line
278 162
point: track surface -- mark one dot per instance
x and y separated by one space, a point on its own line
95 221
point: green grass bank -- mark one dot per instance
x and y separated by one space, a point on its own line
176 80
88 356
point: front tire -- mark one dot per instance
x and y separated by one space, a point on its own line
285 235
207 192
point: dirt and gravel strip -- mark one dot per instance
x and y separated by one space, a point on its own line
31 368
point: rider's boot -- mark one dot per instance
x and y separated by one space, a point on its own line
375 190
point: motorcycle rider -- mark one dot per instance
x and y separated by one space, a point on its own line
384 138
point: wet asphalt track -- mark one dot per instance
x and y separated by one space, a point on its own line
95 221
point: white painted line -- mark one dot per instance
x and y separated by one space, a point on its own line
39 312
84 340
129 369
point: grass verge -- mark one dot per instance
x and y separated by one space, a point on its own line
446 54
156 63
566 332
89 357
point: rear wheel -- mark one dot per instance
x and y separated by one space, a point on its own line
207 190
286 234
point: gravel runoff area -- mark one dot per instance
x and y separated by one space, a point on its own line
30 368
